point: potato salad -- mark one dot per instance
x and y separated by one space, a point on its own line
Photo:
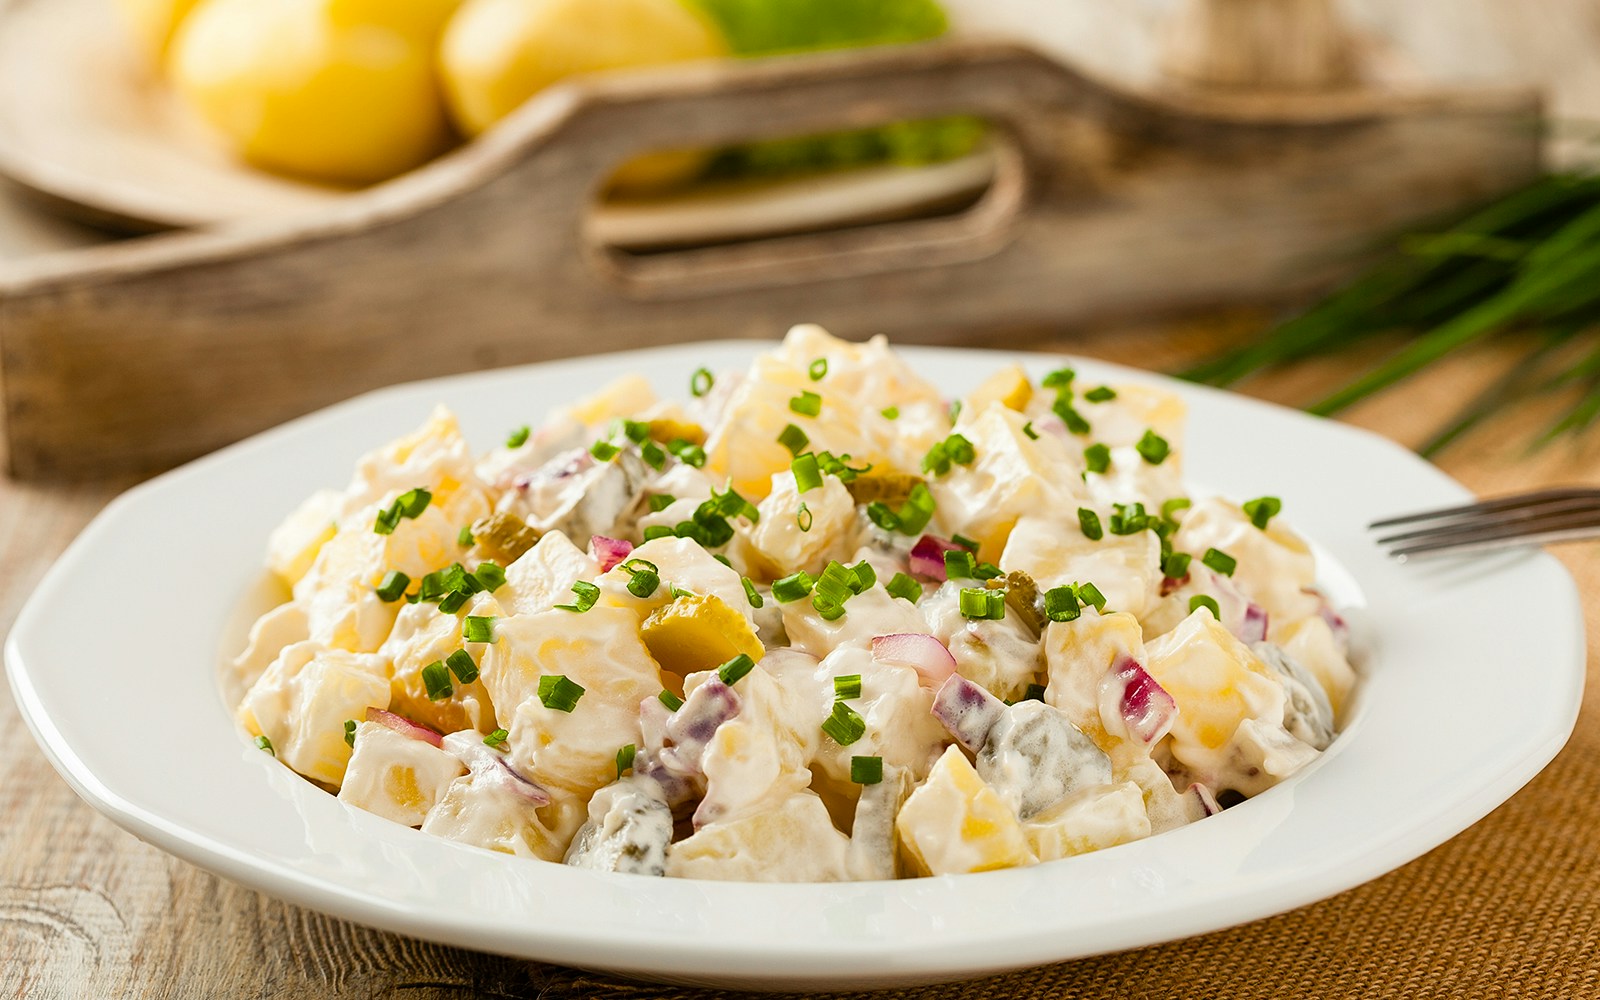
813 621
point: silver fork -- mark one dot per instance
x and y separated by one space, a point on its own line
1558 515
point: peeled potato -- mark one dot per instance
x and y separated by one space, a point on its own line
498 53
296 89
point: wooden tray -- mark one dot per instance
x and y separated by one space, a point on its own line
1102 202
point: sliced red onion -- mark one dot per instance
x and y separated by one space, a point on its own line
488 764
967 711
1335 621
1147 708
1253 625
1207 801
927 557
923 653
404 726
608 551
692 725
1170 584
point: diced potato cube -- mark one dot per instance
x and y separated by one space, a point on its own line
491 815
543 576
1091 820
1080 654
795 842
681 563
421 637
1055 551
1009 387
788 541
395 776
294 544
302 701
954 823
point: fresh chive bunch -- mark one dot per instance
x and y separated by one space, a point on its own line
1526 266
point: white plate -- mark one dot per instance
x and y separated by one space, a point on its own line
1472 685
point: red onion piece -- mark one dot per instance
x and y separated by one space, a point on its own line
404 726
927 557
1253 626
923 653
488 764
608 551
967 711
1208 802
1147 708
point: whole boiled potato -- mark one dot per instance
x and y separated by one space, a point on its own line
338 90
495 54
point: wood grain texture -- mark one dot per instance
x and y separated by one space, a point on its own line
1511 908
1106 202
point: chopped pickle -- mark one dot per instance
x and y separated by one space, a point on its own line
890 488
1022 598
667 430
698 632
503 537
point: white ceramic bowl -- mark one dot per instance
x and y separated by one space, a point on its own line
1471 684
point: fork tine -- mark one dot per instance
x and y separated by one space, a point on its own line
1503 518
1493 505
1530 532
1491 544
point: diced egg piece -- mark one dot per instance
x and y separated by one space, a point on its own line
789 540
793 842
302 701
1055 551
954 823
1091 820
293 545
600 651
396 777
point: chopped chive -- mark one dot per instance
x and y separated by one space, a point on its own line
1088 593
866 770
660 502
490 576
904 587
1262 510
496 738
959 449
750 594
890 412
413 502
1153 448
587 593
464 537
1061 604
1097 458
959 564
807 404
1035 692
967 543
657 531
1089 524
478 628
672 701
803 518
385 522
559 694
792 588
736 668
625 758
1100 394
845 725
879 513
1072 418
848 686
644 583
1027 429
393 587
437 680
636 431
955 412
350 732
1058 379
1128 519
1176 565
677 591
1170 508
724 560
687 452
1202 601
818 370
701 382
453 602
981 604
807 476
793 438
653 455
518 437
1220 561
604 451
865 576
460 664
986 571
262 743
